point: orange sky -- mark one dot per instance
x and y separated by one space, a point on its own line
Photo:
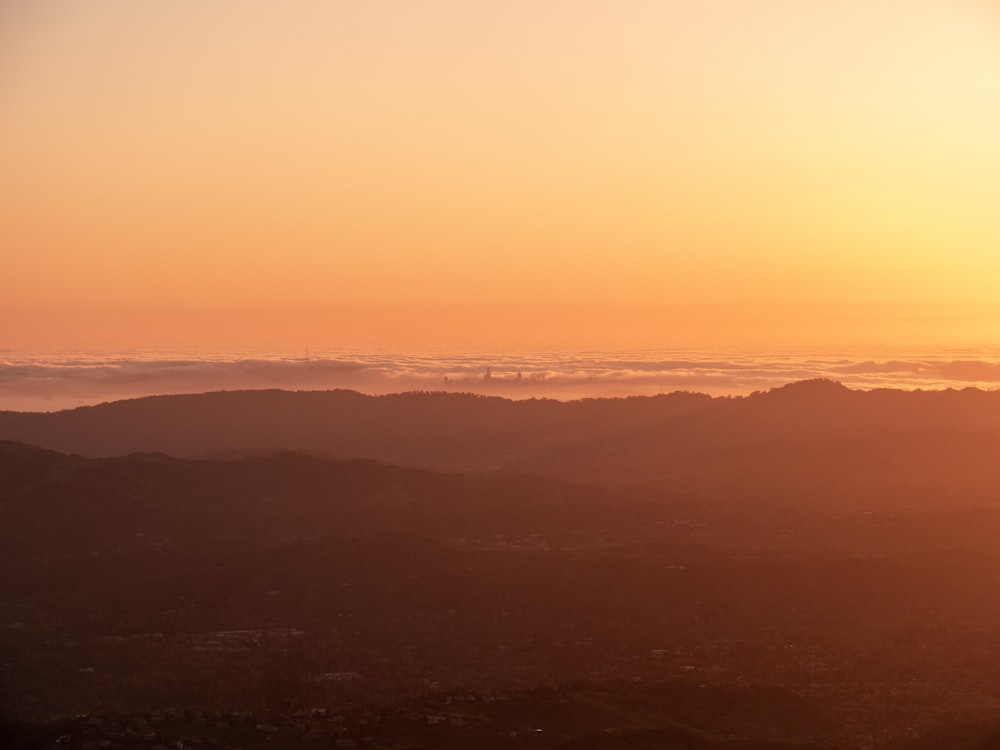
518 172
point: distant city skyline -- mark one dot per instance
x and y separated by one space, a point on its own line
61 380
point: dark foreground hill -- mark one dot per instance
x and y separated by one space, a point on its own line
812 441
56 504
256 590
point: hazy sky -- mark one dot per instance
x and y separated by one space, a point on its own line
410 173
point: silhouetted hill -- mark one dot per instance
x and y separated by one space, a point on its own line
22 465
433 428
56 504
813 441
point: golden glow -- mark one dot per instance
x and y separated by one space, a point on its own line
499 173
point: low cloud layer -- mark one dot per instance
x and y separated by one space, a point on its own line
50 382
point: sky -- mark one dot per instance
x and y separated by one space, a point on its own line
394 174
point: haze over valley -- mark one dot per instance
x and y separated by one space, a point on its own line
810 564
499 374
